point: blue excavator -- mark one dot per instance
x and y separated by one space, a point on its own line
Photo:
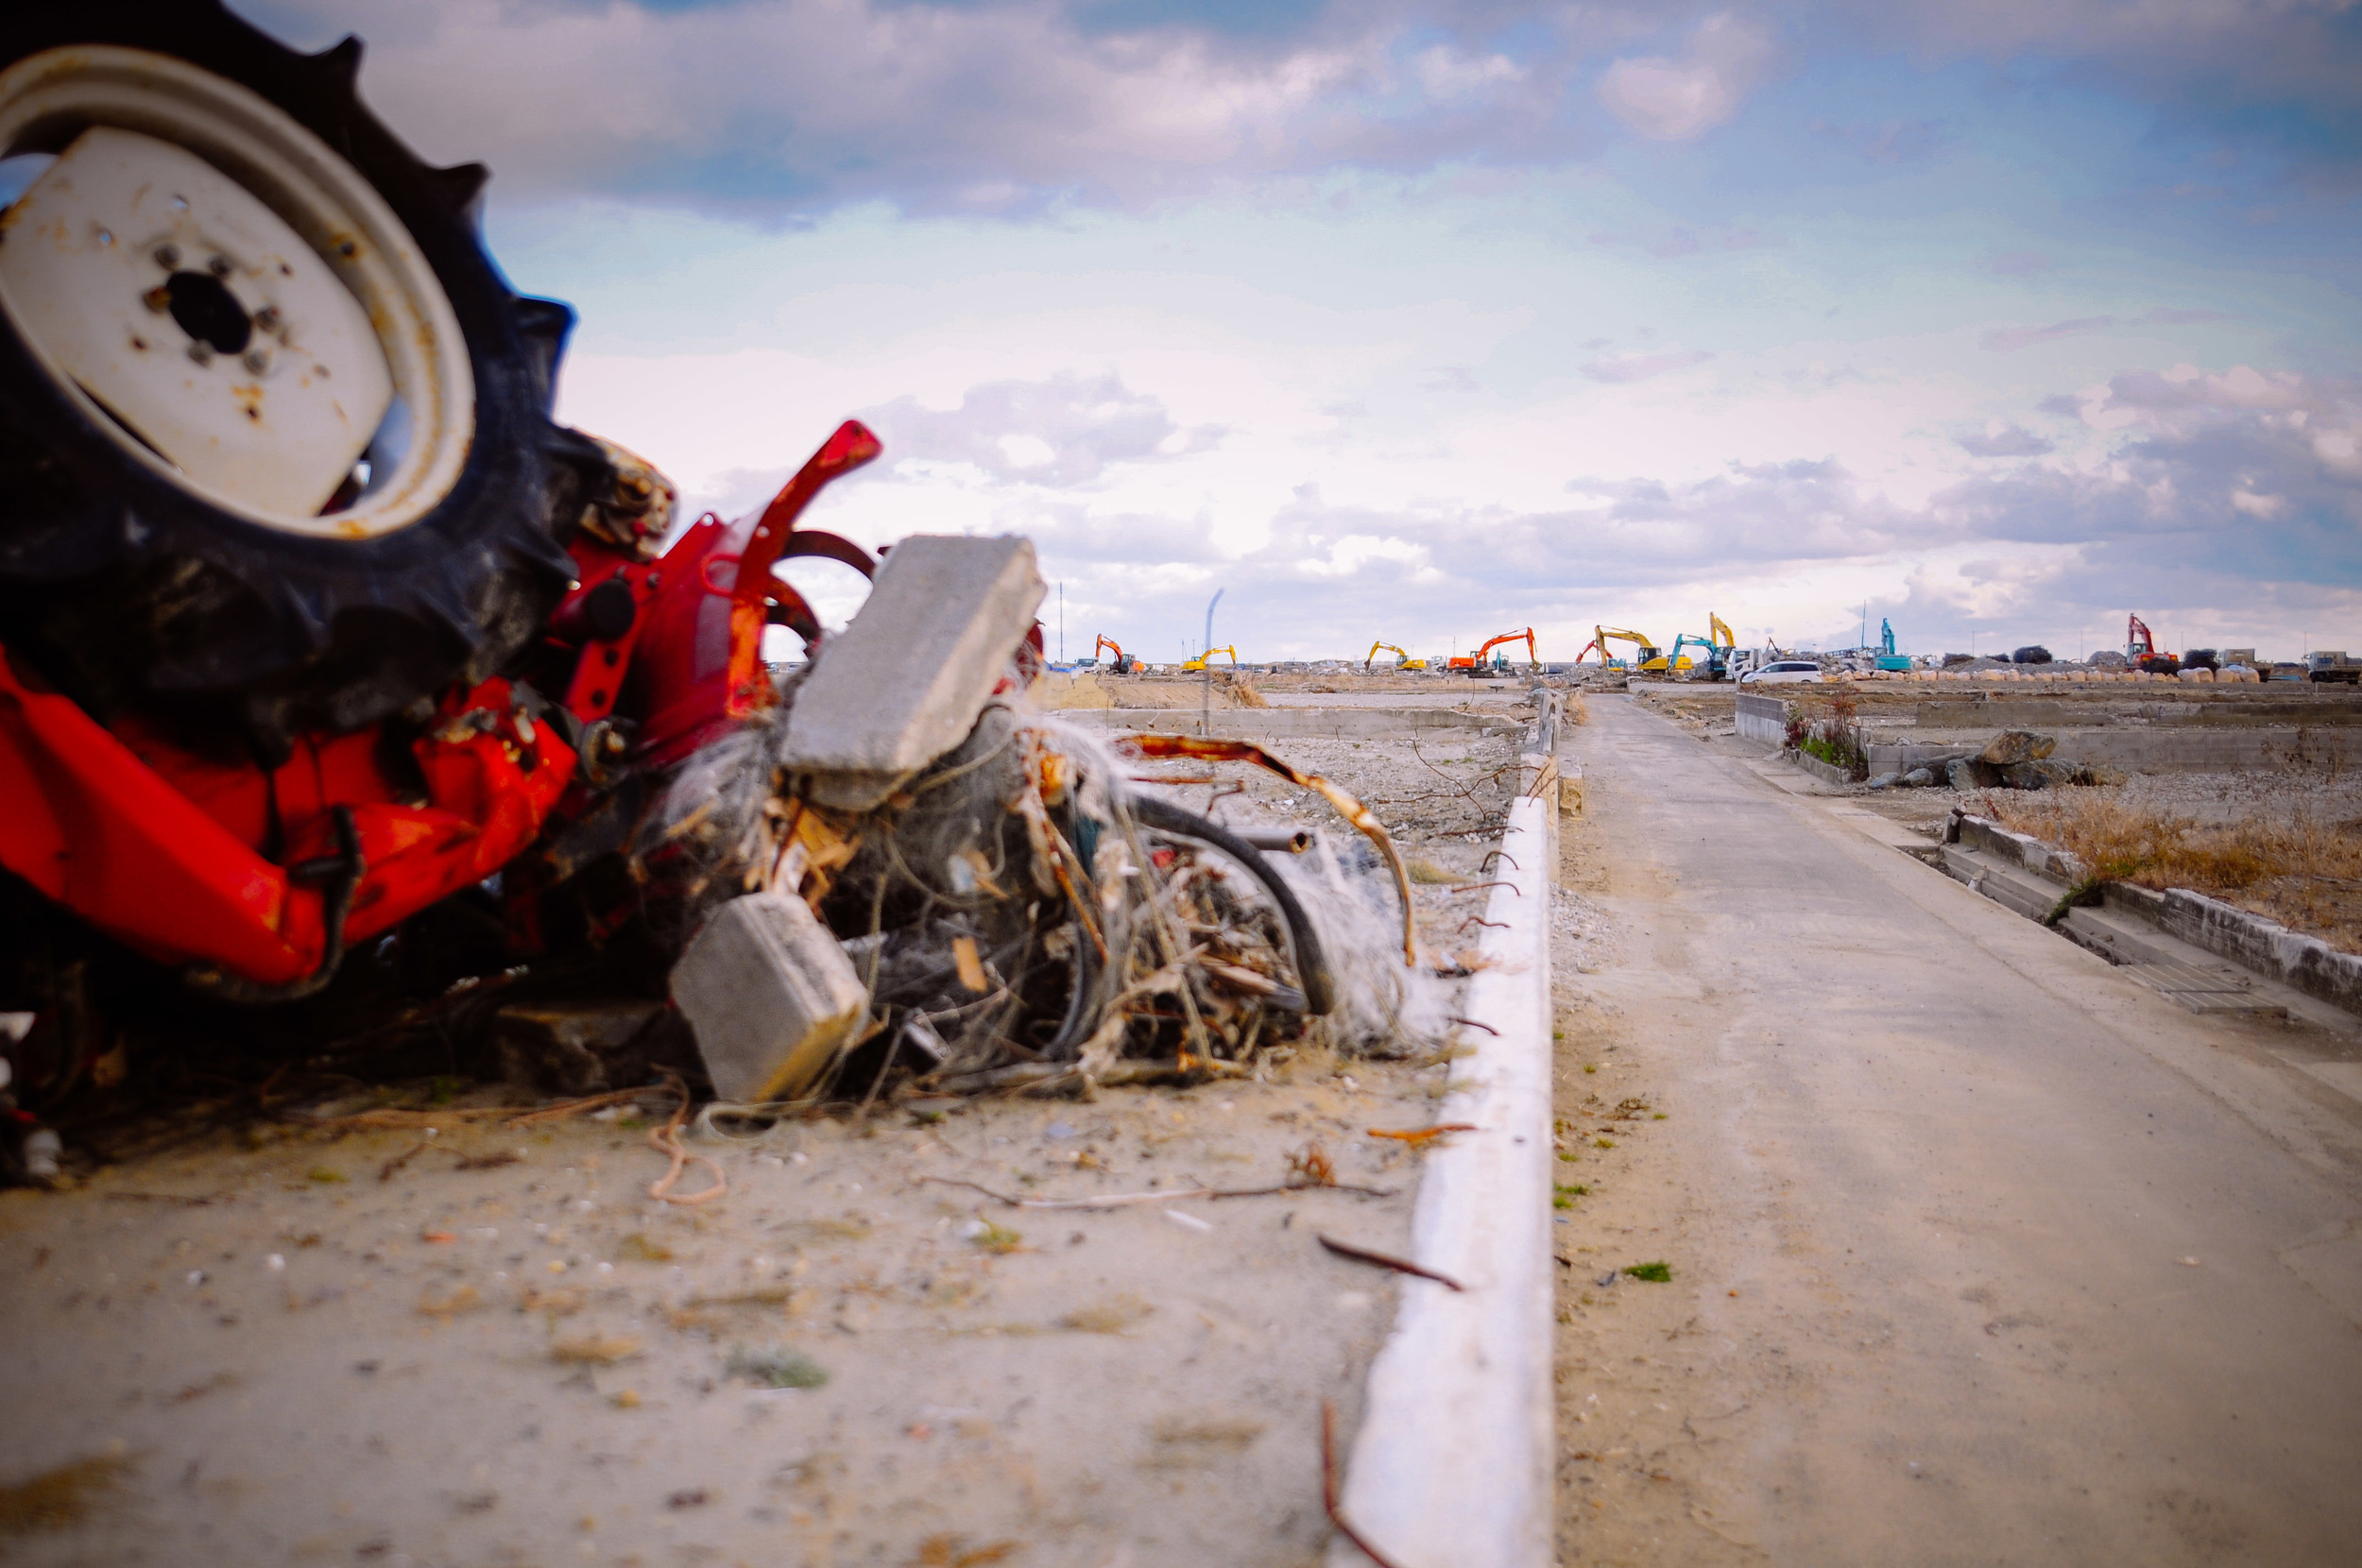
1888 657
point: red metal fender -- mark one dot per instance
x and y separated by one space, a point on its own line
107 832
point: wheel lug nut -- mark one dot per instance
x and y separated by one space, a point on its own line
257 361
168 257
201 352
219 267
267 318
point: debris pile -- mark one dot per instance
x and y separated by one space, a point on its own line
904 869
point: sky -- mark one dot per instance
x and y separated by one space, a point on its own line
1420 323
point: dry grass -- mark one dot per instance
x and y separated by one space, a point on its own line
60 1498
1243 688
2301 870
595 1351
1574 712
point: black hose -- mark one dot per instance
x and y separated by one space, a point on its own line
342 871
1320 991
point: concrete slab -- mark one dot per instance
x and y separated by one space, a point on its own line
903 684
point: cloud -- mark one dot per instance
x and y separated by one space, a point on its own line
2273 76
991 107
1450 378
2009 340
2167 317
1059 434
2003 440
1632 368
1679 100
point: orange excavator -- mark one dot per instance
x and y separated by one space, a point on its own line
1123 664
1479 661
2140 648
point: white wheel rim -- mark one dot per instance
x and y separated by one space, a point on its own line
49 99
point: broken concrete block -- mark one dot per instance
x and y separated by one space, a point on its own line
770 996
903 684
2018 745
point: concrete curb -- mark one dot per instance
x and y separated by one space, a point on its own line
1454 1464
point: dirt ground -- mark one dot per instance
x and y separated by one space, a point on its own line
273 1344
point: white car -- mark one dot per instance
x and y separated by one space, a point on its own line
1782 671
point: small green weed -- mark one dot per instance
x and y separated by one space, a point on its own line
1590 1066
1564 1197
1603 1143
324 1174
776 1369
1655 1273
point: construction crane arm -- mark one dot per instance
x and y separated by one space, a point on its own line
1724 638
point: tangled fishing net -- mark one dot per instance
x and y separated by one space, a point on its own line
1022 911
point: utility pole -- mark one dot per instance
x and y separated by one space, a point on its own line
1206 670
1062 621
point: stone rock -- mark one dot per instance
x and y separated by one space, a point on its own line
2024 775
1968 773
1919 779
1885 782
2018 745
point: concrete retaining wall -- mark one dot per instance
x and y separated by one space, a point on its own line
2177 749
2192 747
2247 940
1762 717
1829 773
1291 723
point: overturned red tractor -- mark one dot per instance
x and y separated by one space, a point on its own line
310 616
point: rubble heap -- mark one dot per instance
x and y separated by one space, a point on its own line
905 869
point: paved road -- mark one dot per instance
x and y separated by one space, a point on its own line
1993 1255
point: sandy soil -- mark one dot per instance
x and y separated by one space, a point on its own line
504 1351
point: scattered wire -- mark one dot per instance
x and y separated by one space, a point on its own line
1328 1487
1386 1260
665 1140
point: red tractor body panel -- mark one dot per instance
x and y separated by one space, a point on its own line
189 858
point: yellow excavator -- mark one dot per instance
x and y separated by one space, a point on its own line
1647 656
1402 658
1717 648
1199 663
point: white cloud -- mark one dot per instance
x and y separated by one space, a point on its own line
1680 99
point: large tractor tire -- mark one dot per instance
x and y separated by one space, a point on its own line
275 445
